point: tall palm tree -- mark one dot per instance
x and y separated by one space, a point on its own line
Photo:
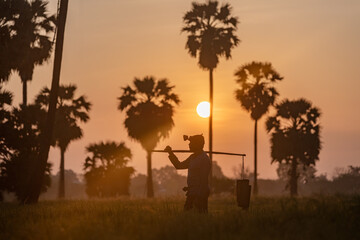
256 94
295 136
40 168
211 34
70 111
149 115
33 28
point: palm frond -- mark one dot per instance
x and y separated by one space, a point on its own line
6 97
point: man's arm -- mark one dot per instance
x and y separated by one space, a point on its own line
175 161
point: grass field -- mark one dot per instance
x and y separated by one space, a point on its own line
336 217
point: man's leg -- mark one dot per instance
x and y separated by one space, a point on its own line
189 202
201 204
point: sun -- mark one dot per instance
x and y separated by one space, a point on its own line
203 109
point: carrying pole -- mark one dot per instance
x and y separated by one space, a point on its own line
213 152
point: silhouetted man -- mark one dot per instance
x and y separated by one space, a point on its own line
198 165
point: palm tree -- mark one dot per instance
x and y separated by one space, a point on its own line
69 112
106 172
211 34
40 168
149 110
256 94
295 136
33 28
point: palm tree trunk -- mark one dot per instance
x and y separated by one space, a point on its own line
62 174
211 123
255 191
149 181
40 167
24 83
293 178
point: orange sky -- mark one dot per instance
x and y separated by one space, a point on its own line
313 44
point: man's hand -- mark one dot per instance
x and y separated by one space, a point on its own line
168 149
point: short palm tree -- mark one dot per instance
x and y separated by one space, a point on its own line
69 112
33 28
149 115
107 173
20 133
211 34
295 136
256 94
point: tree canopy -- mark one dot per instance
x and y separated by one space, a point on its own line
106 170
211 32
257 93
70 111
149 110
295 136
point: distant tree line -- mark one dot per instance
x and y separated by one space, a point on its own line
168 182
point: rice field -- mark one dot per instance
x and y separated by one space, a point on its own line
320 217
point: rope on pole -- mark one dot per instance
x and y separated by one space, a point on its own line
242 168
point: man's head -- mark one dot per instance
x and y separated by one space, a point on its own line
196 142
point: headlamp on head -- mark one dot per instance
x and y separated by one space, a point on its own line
197 140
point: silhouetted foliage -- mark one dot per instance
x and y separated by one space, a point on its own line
5 116
8 9
217 172
220 183
238 174
70 111
138 185
74 185
149 115
348 181
306 173
256 94
106 173
210 31
167 181
6 98
295 136
20 131
30 40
